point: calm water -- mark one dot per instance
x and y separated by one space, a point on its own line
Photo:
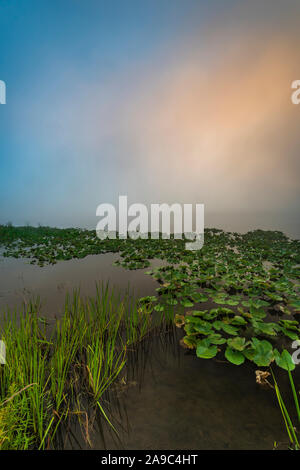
173 400
20 280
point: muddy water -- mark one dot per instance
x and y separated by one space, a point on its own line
173 400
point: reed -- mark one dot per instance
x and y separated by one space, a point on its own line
48 374
105 352
25 401
290 428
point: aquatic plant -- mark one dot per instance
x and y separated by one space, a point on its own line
238 297
247 283
290 427
24 396
209 331
54 372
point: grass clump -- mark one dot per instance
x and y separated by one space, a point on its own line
51 372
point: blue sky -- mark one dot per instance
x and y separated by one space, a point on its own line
125 97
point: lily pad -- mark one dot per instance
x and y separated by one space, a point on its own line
205 350
284 360
234 356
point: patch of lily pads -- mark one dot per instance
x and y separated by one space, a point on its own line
237 296
240 336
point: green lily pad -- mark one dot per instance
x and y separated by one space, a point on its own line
266 328
234 356
205 350
237 343
238 321
284 360
216 338
263 352
186 303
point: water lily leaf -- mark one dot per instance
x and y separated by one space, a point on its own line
238 321
205 350
149 298
203 329
290 334
188 342
284 360
263 352
213 313
216 338
189 328
199 297
225 311
232 301
197 320
186 303
257 313
231 330
220 299
274 297
290 324
220 325
217 325
197 313
249 353
237 343
233 356
258 304
266 328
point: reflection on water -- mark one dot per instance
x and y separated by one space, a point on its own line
20 280
169 399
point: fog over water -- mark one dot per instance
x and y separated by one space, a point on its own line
186 102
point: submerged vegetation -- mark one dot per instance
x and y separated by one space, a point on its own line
55 371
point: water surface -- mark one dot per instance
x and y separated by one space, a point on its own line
173 400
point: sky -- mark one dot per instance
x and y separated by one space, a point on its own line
183 101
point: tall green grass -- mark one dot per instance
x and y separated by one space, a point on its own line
25 398
290 427
49 373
